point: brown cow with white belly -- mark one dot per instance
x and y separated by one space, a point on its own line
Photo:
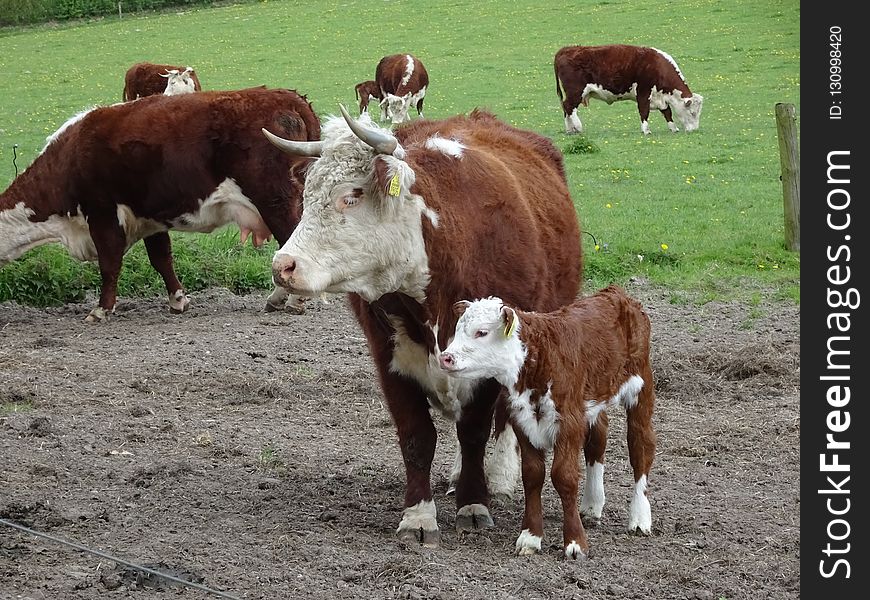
561 371
409 223
114 175
648 76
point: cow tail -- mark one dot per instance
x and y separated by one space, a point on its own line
558 87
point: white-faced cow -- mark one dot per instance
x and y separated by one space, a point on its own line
114 175
561 371
148 79
366 91
409 223
402 79
620 72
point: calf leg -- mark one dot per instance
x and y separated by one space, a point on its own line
566 479
592 503
669 117
572 100
473 430
534 469
641 451
159 248
110 243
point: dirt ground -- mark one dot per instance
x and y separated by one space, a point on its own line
252 452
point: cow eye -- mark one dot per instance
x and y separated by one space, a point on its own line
480 333
352 198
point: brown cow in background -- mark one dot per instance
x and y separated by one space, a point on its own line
147 79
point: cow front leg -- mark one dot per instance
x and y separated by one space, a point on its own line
473 430
159 248
669 117
417 438
643 109
110 243
534 468
592 504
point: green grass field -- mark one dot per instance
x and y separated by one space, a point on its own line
700 212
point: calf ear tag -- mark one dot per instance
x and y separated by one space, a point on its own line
395 188
510 328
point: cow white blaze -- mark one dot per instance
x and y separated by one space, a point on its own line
353 236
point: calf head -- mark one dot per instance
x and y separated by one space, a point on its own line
486 342
361 229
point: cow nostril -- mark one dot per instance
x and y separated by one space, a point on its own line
447 360
288 267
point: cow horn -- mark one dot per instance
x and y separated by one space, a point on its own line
381 142
294 147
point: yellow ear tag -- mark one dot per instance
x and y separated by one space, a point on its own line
509 331
395 188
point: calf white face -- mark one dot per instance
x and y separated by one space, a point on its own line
397 107
688 110
361 229
178 83
486 342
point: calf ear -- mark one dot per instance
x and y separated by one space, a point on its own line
459 307
510 318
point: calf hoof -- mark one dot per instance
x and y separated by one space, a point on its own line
639 530
272 307
98 315
295 308
590 521
473 517
573 551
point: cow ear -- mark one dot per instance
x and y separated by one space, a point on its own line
459 307
510 320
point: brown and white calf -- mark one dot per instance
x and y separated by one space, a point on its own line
562 370
366 91
149 79
615 72
403 80
114 175
408 223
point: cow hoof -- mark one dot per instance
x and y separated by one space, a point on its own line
573 551
272 307
473 517
295 309
98 315
425 537
639 531
528 543
178 303
590 521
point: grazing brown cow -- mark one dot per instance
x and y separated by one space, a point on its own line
147 79
402 79
367 91
562 370
619 72
409 223
117 174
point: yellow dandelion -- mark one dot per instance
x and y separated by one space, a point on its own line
608 205
664 246
597 247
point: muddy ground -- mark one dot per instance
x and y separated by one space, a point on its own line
252 452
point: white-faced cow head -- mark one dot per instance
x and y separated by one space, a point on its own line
486 342
179 82
397 107
361 229
687 110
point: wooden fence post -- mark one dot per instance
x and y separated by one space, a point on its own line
789 158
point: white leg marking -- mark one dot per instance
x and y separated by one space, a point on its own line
644 127
178 301
455 471
572 123
593 492
528 543
639 513
573 551
503 465
422 515
673 126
